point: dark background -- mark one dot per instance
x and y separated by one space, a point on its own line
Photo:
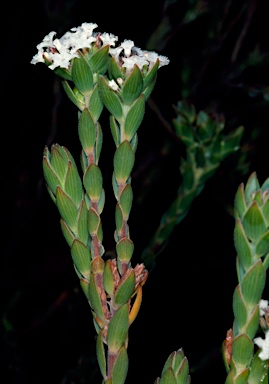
219 57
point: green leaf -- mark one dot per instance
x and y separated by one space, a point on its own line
182 374
63 73
82 75
98 61
242 245
240 202
125 288
125 249
115 186
100 353
81 257
94 298
134 118
203 126
168 377
265 211
96 105
52 180
265 185
266 262
84 286
113 69
186 109
132 87
242 377
242 350
73 185
100 238
101 202
230 143
259 369
99 142
108 278
252 186
258 197
230 378
253 283
118 329
123 162
262 246
114 130
239 308
82 223
183 130
151 75
148 90
68 235
169 362
59 162
120 368
86 130
253 323
253 222
110 99
93 221
93 182
126 200
118 217
178 358
67 209
134 142
70 93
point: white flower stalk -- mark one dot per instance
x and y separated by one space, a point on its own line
264 345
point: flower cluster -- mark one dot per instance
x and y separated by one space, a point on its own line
127 55
59 52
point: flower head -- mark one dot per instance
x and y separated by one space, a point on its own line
127 55
59 52
264 345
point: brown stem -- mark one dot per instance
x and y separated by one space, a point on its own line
111 358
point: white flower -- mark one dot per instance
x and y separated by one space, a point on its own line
115 52
86 28
113 85
108 39
77 40
129 62
61 51
38 58
47 41
264 345
152 58
127 45
264 307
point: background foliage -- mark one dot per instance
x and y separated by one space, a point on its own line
219 62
